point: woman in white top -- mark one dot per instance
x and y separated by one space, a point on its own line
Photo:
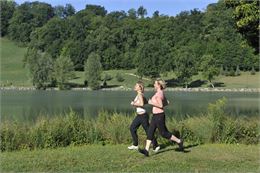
142 117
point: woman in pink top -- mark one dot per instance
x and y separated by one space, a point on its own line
158 102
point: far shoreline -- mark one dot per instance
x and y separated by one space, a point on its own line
122 88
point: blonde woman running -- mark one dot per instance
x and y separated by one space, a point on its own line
158 101
142 118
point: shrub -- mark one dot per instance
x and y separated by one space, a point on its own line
217 116
119 77
113 128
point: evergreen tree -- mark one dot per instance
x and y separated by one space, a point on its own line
93 70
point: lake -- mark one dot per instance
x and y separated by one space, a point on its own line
26 106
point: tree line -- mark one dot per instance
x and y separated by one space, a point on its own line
222 39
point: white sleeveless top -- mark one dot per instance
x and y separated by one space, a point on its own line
139 110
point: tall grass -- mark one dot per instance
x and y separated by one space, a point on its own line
213 127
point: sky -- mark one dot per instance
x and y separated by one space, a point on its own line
166 7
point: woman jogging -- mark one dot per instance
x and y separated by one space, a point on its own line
142 118
158 102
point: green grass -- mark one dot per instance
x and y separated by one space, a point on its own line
245 80
12 72
108 158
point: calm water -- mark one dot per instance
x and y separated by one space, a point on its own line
26 106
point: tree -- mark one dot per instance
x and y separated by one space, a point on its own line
132 13
64 12
59 11
7 9
222 39
96 10
63 70
40 66
50 38
111 58
93 70
156 14
26 18
141 12
185 65
69 10
151 56
78 53
209 68
247 18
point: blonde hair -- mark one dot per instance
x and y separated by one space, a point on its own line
161 82
141 85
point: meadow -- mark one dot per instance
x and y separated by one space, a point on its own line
117 158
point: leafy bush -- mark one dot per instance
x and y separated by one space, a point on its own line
119 77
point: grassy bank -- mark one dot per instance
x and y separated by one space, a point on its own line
13 73
113 128
117 158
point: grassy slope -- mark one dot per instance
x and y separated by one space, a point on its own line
203 158
11 64
12 71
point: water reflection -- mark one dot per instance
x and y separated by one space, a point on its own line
29 105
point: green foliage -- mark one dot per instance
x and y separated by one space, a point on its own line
63 71
113 128
96 10
50 38
93 70
152 45
141 11
26 18
132 13
197 129
247 15
64 12
147 58
119 77
209 68
185 65
41 68
217 116
7 9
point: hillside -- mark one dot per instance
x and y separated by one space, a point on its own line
13 73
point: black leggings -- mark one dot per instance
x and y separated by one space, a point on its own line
158 121
144 121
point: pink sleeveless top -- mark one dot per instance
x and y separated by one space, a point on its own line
158 95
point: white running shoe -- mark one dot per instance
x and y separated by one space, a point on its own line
133 147
156 149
